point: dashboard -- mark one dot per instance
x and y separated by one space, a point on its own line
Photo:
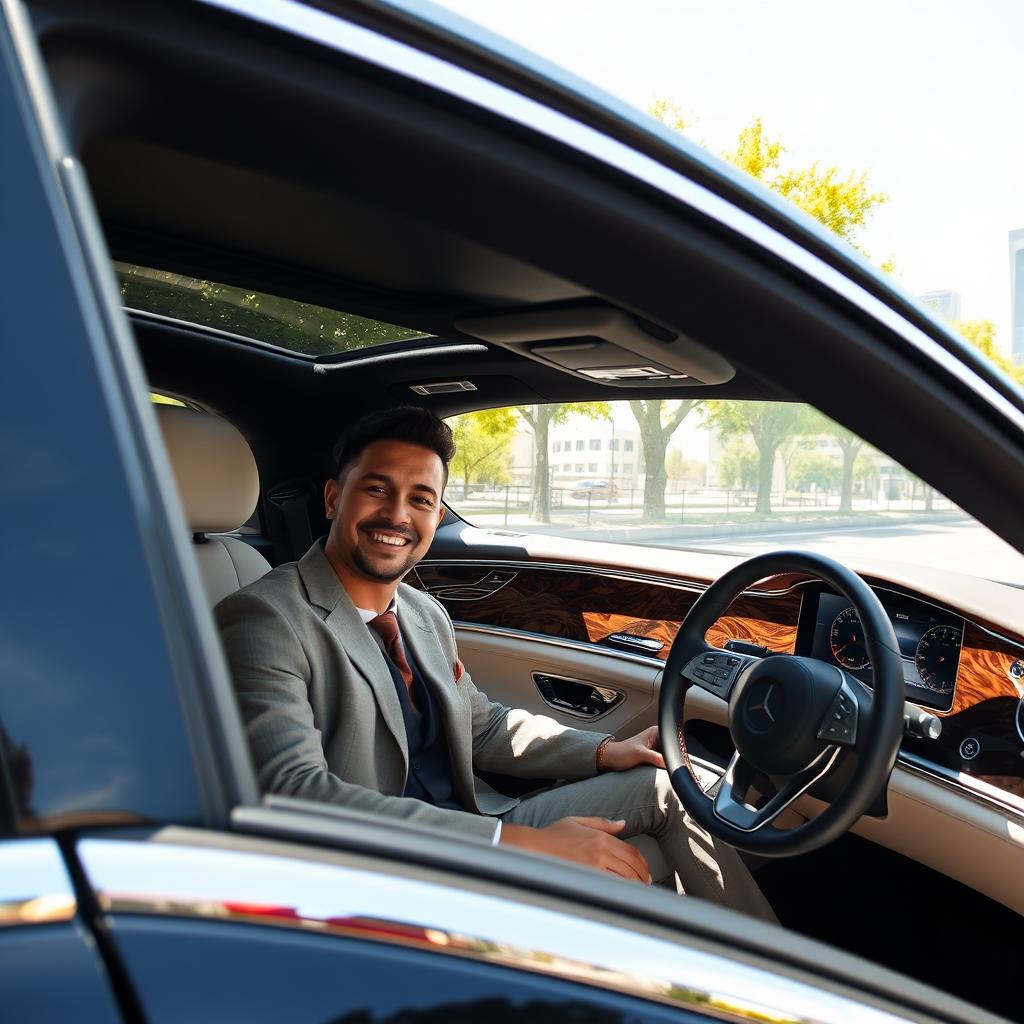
967 674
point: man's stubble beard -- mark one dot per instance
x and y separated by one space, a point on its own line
360 561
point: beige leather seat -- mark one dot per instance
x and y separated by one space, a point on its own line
219 485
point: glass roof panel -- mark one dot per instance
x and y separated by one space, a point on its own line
285 323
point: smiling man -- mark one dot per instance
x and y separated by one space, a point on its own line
352 691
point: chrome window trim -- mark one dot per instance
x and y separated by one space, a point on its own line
270 889
398 58
35 887
447 349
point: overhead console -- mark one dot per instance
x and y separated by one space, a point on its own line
599 343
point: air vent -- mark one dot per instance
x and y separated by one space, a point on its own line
443 387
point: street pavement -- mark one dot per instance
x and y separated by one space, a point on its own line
962 546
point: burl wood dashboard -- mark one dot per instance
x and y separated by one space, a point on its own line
983 730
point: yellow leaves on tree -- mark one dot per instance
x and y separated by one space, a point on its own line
841 202
982 335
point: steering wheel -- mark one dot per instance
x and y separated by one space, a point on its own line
791 718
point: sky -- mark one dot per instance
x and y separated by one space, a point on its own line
924 95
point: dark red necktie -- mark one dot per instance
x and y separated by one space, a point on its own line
386 627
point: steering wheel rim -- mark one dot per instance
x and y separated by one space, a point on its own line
800 688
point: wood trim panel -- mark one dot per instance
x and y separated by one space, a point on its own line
590 606
766 622
602 624
984 670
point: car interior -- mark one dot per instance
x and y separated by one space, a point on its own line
525 272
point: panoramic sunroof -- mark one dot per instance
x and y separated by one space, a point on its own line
296 326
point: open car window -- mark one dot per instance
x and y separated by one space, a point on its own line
726 476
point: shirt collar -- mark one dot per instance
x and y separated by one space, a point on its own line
366 615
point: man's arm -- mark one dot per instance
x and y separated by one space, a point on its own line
271 676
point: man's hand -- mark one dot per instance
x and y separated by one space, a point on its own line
620 755
588 841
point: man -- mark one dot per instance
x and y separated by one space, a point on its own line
353 693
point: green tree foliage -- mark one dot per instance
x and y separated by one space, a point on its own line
814 468
483 444
982 335
850 445
684 472
767 424
298 326
737 467
540 418
658 421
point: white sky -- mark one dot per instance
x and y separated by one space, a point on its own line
924 95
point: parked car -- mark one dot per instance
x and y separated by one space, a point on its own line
282 217
594 489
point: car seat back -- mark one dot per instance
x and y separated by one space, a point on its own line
219 485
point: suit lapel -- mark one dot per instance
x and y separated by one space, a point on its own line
325 591
437 674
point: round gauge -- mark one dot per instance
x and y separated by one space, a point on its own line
847 640
937 654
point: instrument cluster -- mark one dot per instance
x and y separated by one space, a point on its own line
929 639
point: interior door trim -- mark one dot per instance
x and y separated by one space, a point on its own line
556 641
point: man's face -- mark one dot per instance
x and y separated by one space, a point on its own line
385 510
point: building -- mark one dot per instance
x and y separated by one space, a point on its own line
585 449
944 303
1017 295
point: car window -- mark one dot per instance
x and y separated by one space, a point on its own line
741 476
299 327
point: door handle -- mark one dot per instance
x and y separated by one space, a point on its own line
576 696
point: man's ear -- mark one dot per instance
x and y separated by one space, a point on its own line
331 491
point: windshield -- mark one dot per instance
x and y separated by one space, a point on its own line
725 476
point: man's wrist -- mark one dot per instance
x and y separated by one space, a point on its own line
600 754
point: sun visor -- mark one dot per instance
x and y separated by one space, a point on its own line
602 344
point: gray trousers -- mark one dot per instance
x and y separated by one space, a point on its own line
644 798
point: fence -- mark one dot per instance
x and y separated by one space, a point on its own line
510 505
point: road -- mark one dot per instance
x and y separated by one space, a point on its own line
963 547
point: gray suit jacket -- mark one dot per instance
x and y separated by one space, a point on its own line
324 721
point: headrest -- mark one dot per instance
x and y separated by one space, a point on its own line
218 482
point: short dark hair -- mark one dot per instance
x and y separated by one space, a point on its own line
409 423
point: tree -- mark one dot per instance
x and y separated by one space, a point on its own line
850 445
982 335
482 445
842 203
767 424
814 468
657 422
737 467
539 418
681 470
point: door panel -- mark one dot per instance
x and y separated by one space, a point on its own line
503 665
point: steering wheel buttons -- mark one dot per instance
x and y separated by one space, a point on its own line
840 722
